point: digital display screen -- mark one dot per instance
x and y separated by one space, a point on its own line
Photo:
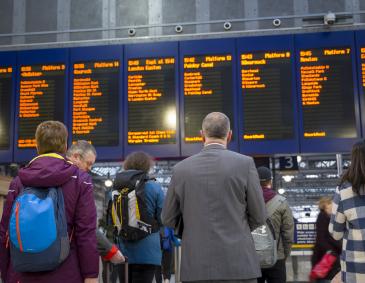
41 98
95 112
151 101
6 91
327 93
362 56
207 88
266 84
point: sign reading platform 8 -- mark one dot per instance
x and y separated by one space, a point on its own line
42 86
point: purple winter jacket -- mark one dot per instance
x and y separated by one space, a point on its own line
83 260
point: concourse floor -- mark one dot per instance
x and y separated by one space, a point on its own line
302 268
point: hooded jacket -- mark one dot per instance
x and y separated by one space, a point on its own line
283 223
53 170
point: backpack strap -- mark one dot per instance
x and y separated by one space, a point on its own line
115 218
271 206
274 204
54 155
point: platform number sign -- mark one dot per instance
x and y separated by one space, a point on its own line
288 163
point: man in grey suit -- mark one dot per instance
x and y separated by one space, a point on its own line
217 192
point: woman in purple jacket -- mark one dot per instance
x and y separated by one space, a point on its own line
51 169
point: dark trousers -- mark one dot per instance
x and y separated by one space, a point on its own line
166 267
138 273
158 274
224 281
275 274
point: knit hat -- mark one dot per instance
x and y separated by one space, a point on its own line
264 174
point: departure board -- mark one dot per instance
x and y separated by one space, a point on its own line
362 57
6 91
266 83
95 111
41 98
327 93
207 88
151 101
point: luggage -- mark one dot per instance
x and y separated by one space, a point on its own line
128 207
266 244
38 230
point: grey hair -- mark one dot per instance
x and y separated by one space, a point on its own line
216 125
81 147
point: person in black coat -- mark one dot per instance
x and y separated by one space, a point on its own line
324 241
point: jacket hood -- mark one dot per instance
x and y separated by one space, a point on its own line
47 170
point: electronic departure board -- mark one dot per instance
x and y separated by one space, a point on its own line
41 95
151 86
6 90
207 88
328 91
362 56
327 83
266 83
151 101
360 40
284 94
208 85
41 98
96 111
267 95
95 102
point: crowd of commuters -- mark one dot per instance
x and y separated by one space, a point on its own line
215 199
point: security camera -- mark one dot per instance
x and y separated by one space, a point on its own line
131 32
227 25
179 29
276 22
329 18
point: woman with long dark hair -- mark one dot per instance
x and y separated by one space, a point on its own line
348 217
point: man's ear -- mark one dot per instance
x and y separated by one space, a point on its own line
229 136
202 135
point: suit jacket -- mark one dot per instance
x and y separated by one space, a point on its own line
218 194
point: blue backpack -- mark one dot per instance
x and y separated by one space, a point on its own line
38 230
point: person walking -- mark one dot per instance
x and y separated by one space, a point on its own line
216 194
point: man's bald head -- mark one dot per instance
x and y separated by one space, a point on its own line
216 125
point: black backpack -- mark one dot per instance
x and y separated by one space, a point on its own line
127 210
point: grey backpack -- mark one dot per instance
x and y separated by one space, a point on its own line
266 244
